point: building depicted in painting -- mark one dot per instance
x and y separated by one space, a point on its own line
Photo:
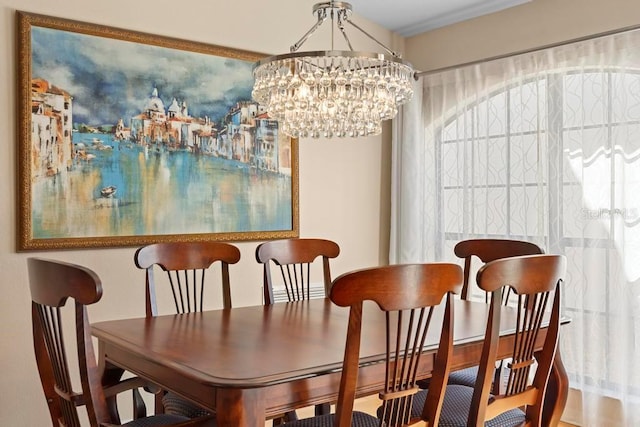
240 127
51 129
246 134
172 128
120 132
270 152
254 138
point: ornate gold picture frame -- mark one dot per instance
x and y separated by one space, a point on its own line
126 138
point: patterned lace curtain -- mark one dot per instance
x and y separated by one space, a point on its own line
545 147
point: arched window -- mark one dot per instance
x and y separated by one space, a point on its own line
545 147
556 160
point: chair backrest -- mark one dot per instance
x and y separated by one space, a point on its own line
488 250
536 280
185 264
408 294
294 258
51 284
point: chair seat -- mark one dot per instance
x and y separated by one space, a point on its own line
464 377
157 420
456 406
359 419
176 405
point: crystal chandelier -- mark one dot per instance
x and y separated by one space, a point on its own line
332 93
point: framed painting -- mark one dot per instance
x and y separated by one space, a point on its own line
126 138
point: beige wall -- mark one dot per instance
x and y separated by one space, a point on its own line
343 184
534 24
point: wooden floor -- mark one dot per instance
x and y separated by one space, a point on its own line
368 405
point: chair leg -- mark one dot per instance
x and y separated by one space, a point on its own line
322 409
159 407
499 379
290 416
139 407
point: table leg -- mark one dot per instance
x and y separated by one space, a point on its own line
110 375
240 408
557 392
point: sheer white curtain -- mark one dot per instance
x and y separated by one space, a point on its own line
545 147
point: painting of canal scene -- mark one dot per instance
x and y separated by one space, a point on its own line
128 139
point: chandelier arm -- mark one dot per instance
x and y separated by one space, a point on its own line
322 16
392 53
344 34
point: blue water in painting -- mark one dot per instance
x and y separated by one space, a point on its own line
158 192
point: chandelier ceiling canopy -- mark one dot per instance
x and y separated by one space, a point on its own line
332 93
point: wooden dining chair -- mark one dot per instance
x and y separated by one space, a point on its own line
51 284
485 250
294 259
535 281
185 265
410 295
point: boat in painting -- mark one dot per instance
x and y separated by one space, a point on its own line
109 191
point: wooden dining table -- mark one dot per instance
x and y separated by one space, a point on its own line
251 363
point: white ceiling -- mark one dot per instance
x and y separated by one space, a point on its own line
410 17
